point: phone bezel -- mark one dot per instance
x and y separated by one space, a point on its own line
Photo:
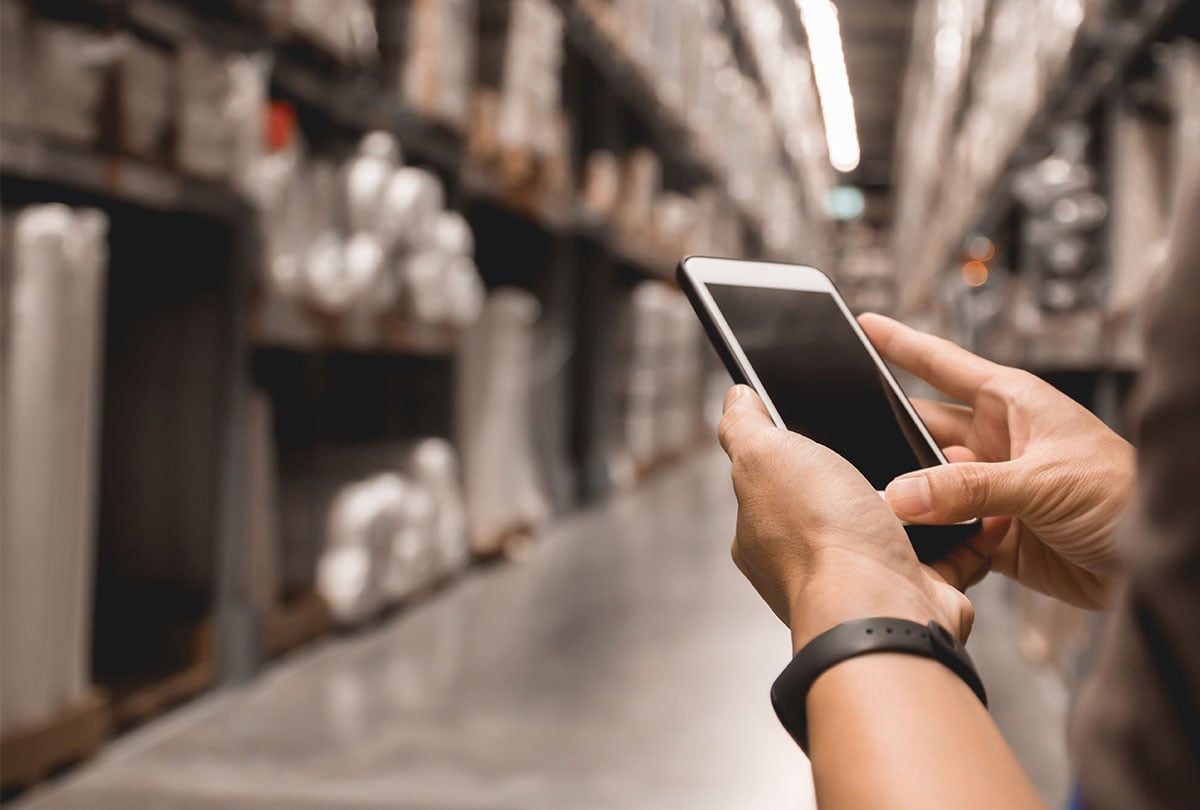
703 270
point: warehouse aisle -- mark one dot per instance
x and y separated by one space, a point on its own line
625 664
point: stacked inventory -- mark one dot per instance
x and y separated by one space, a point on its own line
366 238
663 378
54 272
367 261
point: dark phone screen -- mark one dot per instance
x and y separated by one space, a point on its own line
822 380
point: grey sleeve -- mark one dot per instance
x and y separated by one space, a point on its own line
1136 731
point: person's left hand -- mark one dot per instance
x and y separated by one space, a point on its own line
820 545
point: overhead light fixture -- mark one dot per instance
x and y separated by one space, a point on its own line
820 19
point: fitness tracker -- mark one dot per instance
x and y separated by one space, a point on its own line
860 637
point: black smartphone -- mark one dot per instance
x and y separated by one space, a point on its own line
785 331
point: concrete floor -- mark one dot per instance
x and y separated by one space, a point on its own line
624 664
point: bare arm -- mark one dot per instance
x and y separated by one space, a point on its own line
821 548
895 731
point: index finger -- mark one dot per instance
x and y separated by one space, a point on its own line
952 370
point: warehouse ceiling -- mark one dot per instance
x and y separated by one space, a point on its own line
875 38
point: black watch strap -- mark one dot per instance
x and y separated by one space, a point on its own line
860 637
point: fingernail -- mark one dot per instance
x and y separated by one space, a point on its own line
910 496
737 392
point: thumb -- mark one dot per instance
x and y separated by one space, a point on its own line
955 492
745 416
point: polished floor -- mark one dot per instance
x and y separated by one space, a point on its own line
624 664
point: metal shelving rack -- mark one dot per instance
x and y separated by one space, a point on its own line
1096 73
580 271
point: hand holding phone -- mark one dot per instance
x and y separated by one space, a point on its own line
785 331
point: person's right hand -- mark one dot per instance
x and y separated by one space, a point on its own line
1039 456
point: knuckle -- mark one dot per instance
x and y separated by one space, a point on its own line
752 454
974 485
966 616
724 427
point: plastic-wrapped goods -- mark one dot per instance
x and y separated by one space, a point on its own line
1141 210
947 167
424 287
71 66
412 200
325 273
464 291
521 49
51 401
15 65
245 111
502 484
367 175
363 521
1060 260
206 130
144 80
276 186
452 234
413 559
674 221
430 45
643 179
435 465
601 185
662 409
344 30
441 282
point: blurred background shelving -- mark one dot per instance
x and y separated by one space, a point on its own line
344 296
237 401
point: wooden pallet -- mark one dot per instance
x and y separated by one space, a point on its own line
135 701
289 625
72 734
512 543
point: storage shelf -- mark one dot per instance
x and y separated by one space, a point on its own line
631 83
647 259
134 701
1087 82
355 103
1077 97
71 734
482 185
176 23
745 50
286 324
34 157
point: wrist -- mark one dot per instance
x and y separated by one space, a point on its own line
842 593
806 628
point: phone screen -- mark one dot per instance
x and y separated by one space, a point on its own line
821 379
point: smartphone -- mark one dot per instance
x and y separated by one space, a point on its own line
785 331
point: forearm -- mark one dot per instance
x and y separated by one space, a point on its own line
898 731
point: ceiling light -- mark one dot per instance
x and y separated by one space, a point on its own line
820 20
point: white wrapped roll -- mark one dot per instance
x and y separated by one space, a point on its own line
367 176
411 203
424 284
502 481
412 561
452 234
464 291
51 394
363 520
435 465
341 273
